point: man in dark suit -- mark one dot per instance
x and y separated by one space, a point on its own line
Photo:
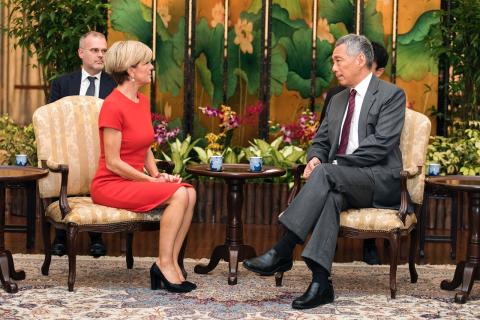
90 80
380 60
354 162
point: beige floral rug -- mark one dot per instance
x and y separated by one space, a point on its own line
106 289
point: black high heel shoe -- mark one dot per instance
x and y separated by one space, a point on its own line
189 284
158 281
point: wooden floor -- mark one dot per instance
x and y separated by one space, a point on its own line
203 237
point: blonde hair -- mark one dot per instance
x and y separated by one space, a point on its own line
123 55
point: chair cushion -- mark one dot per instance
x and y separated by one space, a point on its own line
85 212
374 219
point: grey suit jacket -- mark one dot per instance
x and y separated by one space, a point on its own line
379 129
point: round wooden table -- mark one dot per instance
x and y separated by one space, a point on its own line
233 250
467 271
12 174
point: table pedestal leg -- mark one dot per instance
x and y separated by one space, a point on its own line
467 272
233 250
7 269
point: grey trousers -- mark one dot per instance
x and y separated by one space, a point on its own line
316 209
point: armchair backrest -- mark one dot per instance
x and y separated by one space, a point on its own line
413 145
66 132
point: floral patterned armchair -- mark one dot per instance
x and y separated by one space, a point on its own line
68 145
385 223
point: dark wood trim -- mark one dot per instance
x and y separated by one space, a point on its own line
313 70
225 53
29 87
266 49
443 76
153 84
358 14
189 68
393 70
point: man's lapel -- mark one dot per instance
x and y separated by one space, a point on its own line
368 102
74 83
336 118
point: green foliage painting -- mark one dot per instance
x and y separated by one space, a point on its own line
291 45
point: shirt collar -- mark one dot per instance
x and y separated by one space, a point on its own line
85 74
362 87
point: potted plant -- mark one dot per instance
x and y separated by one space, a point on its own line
460 152
16 139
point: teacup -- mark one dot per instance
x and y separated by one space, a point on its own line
216 163
21 160
433 169
256 164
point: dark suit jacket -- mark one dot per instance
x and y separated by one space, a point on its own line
69 85
379 129
330 93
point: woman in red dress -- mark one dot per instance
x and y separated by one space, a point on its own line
126 134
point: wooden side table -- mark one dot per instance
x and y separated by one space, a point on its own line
433 191
11 174
233 250
467 271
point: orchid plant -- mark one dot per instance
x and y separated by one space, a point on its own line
163 133
299 133
229 121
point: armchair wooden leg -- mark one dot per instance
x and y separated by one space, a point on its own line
411 257
181 256
394 246
47 244
72 232
278 279
129 252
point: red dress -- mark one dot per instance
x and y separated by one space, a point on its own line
134 121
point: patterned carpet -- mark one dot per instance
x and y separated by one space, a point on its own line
106 289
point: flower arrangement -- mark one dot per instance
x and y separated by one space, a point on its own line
299 133
163 133
229 120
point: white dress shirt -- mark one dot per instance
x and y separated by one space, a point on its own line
84 83
361 89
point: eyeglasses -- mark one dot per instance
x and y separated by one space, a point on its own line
96 50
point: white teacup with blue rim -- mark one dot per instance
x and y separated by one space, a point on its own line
256 164
216 163
433 169
21 160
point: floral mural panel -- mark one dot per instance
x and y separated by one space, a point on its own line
291 53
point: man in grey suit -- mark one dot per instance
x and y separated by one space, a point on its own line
354 162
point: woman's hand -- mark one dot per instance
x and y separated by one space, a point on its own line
165 177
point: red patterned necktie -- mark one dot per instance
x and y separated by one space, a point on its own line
342 148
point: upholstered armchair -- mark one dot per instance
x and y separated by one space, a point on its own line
392 225
67 139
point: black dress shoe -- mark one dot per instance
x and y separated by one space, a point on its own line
268 263
316 295
97 249
370 255
58 248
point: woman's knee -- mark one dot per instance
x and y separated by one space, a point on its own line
192 195
181 195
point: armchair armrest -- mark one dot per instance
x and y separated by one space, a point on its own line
409 173
63 170
297 181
